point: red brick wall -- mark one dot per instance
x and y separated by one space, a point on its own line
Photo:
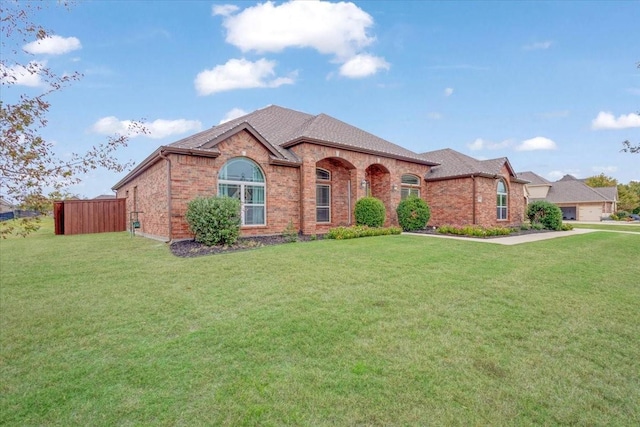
451 202
151 200
351 167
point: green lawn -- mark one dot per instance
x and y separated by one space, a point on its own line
395 330
610 227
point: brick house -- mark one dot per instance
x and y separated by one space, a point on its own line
576 200
288 166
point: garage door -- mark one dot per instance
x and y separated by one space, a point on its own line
590 213
568 212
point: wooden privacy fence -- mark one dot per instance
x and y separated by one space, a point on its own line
89 216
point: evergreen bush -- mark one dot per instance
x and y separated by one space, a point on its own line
370 211
214 220
413 213
545 213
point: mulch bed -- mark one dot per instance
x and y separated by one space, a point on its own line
191 248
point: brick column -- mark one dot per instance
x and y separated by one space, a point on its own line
308 197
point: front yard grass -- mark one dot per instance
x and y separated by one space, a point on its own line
396 330
609 227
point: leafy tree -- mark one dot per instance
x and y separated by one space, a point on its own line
601 181
628 197
28 163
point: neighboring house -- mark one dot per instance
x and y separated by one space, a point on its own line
105 197
576 199
5 206
286 166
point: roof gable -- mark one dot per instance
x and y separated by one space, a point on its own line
454 164
533 178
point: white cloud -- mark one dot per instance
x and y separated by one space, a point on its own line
23 76
232 114
330 28
448 91
363 65
538 45
537 143
481 144
607 120
53 45
224 9
156 129
240 74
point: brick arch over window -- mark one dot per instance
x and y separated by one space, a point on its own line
335 191
242 178
502 200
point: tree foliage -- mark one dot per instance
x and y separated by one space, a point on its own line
29 166
601 181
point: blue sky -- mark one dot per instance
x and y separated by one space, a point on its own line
553 86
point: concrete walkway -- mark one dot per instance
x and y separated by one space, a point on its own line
525 238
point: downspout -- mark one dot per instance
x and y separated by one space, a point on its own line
473 178
169 204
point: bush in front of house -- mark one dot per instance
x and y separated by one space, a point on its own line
475 230
344 233
413 213
370 211
214 220
545 213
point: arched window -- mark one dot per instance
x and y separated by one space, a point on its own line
410 186
323 196
501 204
243 179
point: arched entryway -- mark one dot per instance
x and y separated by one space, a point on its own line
335 192
378 185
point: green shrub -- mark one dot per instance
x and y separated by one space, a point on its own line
214 220
622 214
545 213
475 230
636 210
343 233
370 211
290 233
566 227
413 213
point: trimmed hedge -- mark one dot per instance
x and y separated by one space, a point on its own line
413 213
343 233
370 211
545 213
475 230
214 220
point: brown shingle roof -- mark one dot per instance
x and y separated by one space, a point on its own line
455 164
533 178
571 190
282 128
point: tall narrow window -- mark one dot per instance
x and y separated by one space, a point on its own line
243 179
410 186
323 195
501 200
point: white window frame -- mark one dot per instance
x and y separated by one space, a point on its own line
243 185
502 210
411 188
